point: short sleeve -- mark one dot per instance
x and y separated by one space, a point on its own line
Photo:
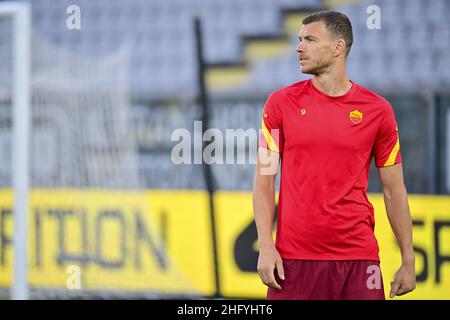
387 141
271 136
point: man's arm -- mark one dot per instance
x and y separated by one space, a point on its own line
396 201
263 209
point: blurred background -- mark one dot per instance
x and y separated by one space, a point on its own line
112 216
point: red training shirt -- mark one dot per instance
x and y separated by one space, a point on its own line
326 145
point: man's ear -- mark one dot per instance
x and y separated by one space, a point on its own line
340 47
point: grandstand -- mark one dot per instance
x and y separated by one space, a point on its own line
163 46
249 49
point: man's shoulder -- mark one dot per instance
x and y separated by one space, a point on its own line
295 88
377 99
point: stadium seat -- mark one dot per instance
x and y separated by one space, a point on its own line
163 28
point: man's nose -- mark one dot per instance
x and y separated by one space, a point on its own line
300 48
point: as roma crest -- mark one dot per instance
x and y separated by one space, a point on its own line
356 116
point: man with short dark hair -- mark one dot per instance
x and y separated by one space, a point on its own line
325 130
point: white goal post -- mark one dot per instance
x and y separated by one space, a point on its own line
19 13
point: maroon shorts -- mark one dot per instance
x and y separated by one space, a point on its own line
329 280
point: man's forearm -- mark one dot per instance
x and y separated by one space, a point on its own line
263 209
399 216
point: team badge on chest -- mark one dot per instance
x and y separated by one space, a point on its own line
356 116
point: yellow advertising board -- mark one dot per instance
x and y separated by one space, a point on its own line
238 250
155 242
160 242
431 237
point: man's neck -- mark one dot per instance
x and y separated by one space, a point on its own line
332 84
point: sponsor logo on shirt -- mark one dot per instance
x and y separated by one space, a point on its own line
302 111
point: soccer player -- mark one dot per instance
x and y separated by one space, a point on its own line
325 130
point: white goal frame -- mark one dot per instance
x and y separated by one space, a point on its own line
19 12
